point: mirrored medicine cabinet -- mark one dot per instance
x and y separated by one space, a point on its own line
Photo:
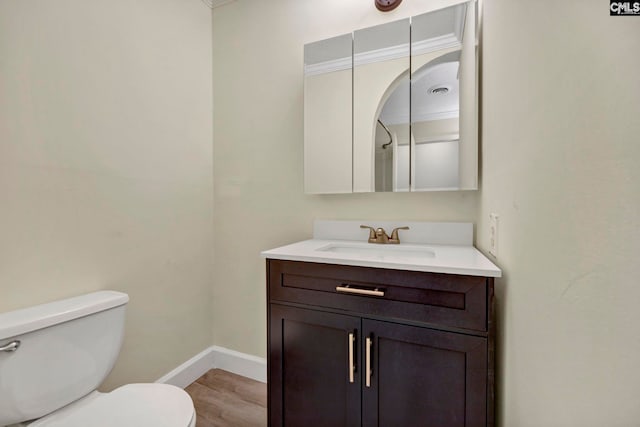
394 107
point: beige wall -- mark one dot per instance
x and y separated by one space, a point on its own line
258 139
106 166
561 109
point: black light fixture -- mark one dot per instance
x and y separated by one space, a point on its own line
387 5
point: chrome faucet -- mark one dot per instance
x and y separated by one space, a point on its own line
378 235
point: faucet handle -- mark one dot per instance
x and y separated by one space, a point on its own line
394 234
372 233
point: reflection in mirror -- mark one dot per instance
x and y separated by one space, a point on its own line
381 107
435 110
443 100
327 115
392 139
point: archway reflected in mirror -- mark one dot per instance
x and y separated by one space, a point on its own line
392 137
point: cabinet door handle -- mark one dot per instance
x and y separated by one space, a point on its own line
368 344
352 366
360 291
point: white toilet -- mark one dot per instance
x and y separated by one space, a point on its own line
54 356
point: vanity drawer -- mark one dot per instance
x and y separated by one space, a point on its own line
446 299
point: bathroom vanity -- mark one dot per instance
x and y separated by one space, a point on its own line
381 335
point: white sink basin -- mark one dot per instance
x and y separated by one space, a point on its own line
429 247
378 251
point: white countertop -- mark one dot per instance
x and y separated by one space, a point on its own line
450 259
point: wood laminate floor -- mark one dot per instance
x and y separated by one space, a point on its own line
223 399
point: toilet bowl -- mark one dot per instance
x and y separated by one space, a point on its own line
158 405
54 356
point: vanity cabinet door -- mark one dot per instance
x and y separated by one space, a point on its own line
423 377
309 368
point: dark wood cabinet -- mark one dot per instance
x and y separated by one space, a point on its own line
309 368
415 349
424 377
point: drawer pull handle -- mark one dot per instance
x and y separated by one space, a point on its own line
352 366
349 290
369 343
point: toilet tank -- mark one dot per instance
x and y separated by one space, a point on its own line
67 348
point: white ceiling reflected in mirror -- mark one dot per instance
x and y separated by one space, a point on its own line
435 91
414 105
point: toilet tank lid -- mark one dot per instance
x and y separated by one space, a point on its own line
18 322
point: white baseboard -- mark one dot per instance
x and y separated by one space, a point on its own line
249 366
216 357
190 370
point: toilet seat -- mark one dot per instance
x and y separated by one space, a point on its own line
132 405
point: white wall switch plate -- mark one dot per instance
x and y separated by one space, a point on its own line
493 234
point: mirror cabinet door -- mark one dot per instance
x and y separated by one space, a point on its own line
327 115
381 93
443 100
469 110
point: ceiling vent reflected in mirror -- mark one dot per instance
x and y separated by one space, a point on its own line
440 90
